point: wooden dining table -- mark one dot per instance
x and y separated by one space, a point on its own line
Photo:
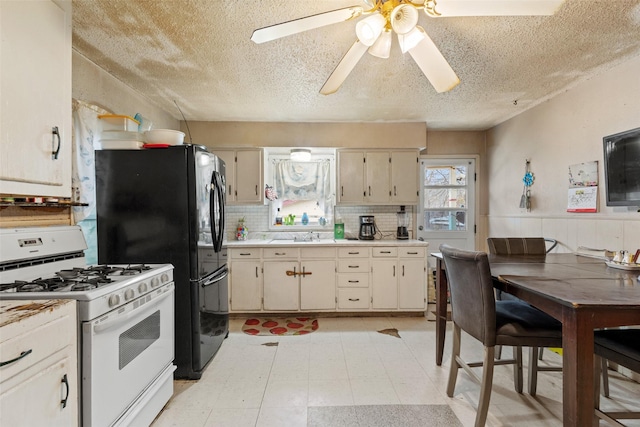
581 292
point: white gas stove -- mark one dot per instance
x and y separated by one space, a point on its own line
125 319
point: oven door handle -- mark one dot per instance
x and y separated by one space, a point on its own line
121 319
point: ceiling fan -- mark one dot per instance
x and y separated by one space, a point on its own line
374 33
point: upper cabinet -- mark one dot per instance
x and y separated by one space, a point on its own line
244 175
378 177
35 92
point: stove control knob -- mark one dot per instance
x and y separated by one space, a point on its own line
114 300
142 287
129 294
155 282
164 278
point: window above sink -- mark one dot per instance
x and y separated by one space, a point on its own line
304 190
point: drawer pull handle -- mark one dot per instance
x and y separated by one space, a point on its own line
354 266
280 253
412 253
22 356
354 299
385 252
65 381
354 281
354 253
245 253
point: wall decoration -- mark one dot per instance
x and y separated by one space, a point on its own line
583 187
525 199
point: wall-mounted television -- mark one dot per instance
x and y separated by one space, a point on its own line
622 168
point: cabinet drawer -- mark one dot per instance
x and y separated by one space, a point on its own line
384 252
247 253
353 298
43 334
412 252
353 252
353 266
354 280
308 253
285 253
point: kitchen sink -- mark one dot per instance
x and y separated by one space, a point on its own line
301 241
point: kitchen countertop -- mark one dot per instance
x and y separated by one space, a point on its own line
322 242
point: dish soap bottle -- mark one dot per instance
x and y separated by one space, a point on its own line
338 229
305 219
278 218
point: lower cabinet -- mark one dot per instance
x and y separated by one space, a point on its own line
246 286
38 351
359 278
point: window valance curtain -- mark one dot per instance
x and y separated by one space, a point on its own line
302 180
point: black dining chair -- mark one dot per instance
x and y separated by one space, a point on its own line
524 246
475 311
621 346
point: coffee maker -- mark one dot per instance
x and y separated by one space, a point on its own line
403 222
367 227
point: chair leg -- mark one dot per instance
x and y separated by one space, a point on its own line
498 352
540 353
597 368
533 370
517 368
605 377
485 390
455 353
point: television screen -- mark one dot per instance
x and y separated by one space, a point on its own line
622 168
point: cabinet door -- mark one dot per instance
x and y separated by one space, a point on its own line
281 291
246 286
318 290
36 400
384 284
249 176
412 284
404 177
378 186
35 83
229 157
350 176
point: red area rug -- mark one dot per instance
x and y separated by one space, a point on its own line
287 326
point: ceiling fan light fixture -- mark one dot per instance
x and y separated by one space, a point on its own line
404 18
411 39
368 30
382 47
300 155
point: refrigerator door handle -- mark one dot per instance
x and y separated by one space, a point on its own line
218 277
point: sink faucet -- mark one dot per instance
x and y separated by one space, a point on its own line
308 237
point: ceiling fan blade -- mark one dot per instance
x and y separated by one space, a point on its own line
347 63
434 65
288 28
446 8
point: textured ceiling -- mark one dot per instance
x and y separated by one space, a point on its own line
198 53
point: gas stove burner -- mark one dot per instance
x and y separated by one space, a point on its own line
102 269
134 269
69 274
83 286
32 287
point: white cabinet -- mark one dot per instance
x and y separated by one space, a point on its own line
412 278
244 175
398 278
384 278
309 278
378 177
318 279
35 88
39 385
353 278
245 279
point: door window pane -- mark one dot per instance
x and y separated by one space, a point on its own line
438 198
445 220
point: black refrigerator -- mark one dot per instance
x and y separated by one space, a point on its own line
166 205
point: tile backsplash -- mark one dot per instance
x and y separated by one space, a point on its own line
256 219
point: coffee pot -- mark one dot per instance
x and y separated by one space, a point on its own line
367 227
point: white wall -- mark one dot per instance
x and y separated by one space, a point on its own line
563 131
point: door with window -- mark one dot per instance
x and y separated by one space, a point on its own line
447 203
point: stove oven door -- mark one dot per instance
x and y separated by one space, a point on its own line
123 353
